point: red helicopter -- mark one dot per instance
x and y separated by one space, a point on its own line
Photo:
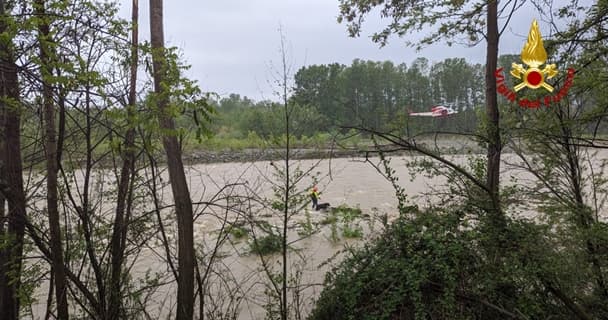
436 111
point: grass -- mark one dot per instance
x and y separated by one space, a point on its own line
238 142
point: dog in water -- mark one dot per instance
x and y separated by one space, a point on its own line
322 206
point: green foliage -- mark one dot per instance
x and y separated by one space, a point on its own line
307 226
188 105
379 95
267 120
352 231
437 265
348 217
329 219
442 19
348 213
334 237
392 275
350 228
332 220
238 232
267 244
374 94
220 142
326 97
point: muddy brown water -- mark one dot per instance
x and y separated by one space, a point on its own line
353 182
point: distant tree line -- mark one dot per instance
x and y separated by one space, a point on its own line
371 93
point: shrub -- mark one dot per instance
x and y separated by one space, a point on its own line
350 228
267 244
307 226
238 232
347 212
355 231
412 271
435 265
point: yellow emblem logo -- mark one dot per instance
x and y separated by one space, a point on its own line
533 55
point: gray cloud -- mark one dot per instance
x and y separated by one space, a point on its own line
231 43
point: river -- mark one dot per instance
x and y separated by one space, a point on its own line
353 182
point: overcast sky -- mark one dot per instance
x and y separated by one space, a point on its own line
231 44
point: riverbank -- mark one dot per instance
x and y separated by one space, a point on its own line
253 155
200 156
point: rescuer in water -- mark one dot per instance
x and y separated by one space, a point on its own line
314 197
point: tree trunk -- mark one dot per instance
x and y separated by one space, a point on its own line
2 160
179 187
284 311
494 143
119 232
11 254
46 57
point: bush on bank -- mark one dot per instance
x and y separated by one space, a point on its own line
437 265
